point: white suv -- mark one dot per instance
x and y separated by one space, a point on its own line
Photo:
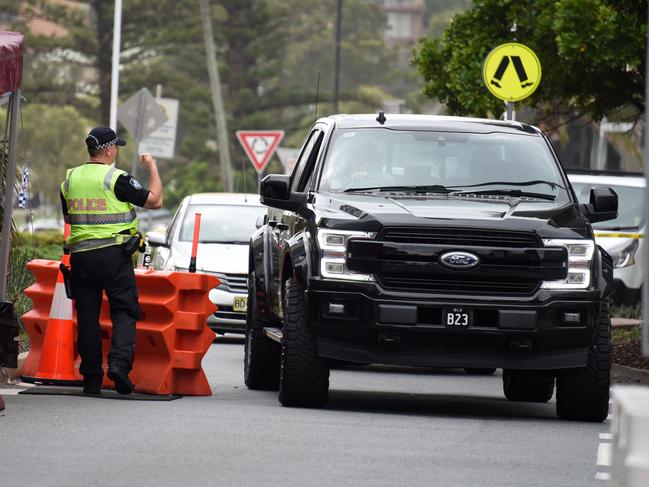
623 237
227 222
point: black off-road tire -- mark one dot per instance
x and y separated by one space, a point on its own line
479 371
261 354
583 393
304 377
528 385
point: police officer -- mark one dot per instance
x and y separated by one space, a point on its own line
98 202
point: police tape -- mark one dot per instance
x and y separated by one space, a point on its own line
618 235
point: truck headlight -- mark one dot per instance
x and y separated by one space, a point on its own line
580 256
624 256
333 244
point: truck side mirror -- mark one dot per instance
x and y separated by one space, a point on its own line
603 205
275 191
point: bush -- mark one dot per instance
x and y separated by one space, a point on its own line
45 245
633 312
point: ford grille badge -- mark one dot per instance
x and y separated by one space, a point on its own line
459 260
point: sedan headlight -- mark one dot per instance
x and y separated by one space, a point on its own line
580 256
624 256
333 244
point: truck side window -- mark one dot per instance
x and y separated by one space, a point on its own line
305 162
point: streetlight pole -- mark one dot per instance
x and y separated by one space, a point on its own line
114 83
339 15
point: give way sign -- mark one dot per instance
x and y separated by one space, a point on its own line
260 145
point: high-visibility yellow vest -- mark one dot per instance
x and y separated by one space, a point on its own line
97 218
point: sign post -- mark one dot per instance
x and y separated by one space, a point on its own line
141 116
511 72
259 146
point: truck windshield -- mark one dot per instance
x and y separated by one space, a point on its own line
401 159
630 213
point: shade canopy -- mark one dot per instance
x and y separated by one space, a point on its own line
11 61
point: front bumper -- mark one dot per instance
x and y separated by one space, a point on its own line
407 329
225 319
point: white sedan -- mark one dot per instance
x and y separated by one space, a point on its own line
227 222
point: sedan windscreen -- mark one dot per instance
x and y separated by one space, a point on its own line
232 224
441 161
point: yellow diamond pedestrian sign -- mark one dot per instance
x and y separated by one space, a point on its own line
512 72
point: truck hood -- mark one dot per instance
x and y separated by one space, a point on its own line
547 218
222 258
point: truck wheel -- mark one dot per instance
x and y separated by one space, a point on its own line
304 377
527 385
476 371
261 355
583 393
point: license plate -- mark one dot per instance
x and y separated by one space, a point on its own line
240 304
457 317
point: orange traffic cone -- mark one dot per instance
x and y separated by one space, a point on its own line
56 365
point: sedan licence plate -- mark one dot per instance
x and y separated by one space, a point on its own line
457 317
240 304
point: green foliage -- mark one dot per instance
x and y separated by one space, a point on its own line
269 53
44 245
53 141
626 335
591 52
19 278
633 312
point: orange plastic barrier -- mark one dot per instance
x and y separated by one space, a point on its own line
171 339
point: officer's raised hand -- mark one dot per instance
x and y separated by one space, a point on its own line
147 159
154 200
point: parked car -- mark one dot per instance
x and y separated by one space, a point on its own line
152 220
43 225
431 241
620 237
227 222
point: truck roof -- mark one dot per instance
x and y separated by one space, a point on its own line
430 122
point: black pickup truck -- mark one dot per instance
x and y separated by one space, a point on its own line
431 241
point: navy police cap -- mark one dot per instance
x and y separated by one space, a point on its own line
102 137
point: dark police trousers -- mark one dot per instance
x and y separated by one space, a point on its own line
94 271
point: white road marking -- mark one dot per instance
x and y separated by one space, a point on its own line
604 454
605 436
14 389
10 391
602 476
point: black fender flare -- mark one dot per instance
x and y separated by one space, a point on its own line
258 260
604 269
295 258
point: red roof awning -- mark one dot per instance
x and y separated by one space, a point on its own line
11 61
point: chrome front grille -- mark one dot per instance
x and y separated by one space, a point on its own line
233 283
227 313
460 237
